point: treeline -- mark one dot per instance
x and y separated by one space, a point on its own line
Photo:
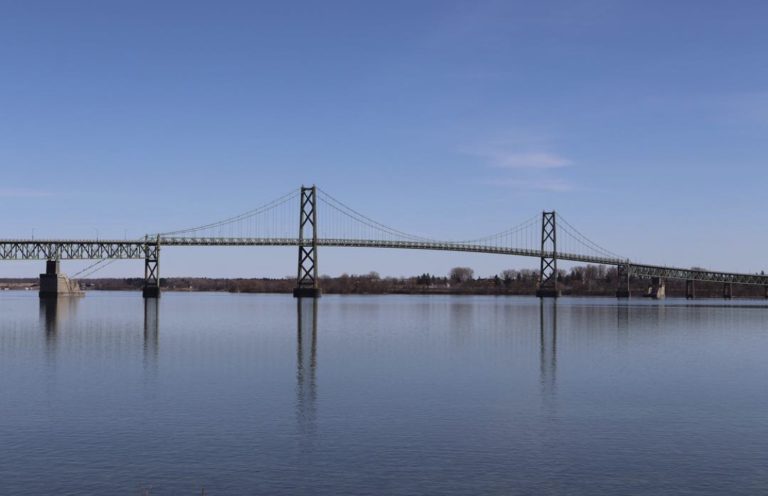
590 280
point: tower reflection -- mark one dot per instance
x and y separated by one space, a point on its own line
151 330
548 344
306 363
622 317
55 310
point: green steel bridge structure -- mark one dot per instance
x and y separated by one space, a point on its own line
546 236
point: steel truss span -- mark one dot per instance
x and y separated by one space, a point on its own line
75 249
647 271
137 250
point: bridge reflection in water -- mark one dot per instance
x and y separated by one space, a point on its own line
548 345
306 364
151 331
56 313
54 310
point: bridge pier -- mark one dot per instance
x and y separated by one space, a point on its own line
548 287
690 289
548 293
657 290
306 279
727 290
307 292
622 285
53 283
151 287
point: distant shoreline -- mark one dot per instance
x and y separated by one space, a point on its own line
523 284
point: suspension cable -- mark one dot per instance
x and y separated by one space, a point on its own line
585 241
364 219
94 267
261 209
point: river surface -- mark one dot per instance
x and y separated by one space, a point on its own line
254 394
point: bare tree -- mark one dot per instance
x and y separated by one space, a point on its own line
509 274
461 274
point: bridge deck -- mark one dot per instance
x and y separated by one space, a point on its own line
89 249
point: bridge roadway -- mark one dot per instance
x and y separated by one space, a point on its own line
90 249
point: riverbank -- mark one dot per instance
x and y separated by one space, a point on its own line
522 284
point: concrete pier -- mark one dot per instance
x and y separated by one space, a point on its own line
548 293
151 291
657 290
54 283
307 292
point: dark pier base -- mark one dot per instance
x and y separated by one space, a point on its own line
151 292
548 293
623 293
657 290
307 292
690 290
728 290
53 283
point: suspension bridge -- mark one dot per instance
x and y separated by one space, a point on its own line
310 218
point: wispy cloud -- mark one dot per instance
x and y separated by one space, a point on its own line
552 184
529 164
23 193
528 160
520 149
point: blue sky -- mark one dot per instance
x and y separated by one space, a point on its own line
643 122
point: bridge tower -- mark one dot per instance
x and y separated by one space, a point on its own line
690 289
727 290
548 287
151 269
306 280
622 285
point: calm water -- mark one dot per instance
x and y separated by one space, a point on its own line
249 394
